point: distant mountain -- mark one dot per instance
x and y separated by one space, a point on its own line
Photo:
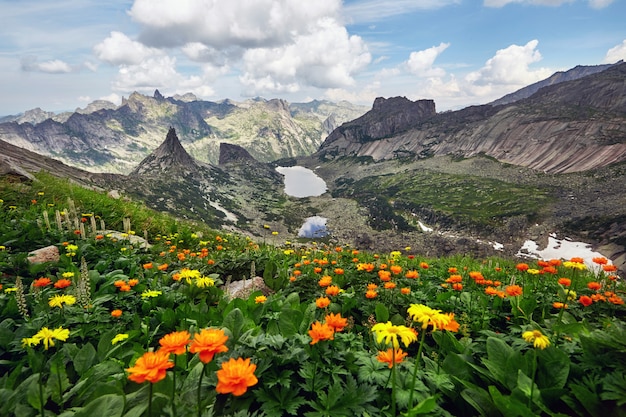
566 127
108 138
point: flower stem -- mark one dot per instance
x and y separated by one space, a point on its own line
41 393
393 380
198 392
417 363
174 388
532 381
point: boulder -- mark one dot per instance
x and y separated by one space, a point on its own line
47 254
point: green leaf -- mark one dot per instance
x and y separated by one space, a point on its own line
382 313
289 321
84 359
234 321
110 405
423 407
615 388
508 405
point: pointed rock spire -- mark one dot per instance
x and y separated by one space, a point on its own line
169 155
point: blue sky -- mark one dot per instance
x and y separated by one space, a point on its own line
63 54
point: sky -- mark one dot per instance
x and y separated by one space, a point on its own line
63 54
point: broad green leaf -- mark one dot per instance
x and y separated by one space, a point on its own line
382 313
423 407
84 359
234 321
110 405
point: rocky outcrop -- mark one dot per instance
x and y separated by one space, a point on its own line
234 154
569 127
169 156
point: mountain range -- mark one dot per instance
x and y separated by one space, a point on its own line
484 178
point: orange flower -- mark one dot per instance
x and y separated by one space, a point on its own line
389 355
147 266
390 285
116 313
609 268
41 282
522 267
371 294
297 272
339 271
566 282
320 332
423 265
395 269
405 290
616 299
554 262
457 286
452 325
549 269
260 299
600 260
207 343
152 367
332 290
125 288
162 267
133 282
384 275
491 291
368 267
62 283
577 260
317 270
454 278
371 286
175 342
235 376
477 276
325 281
335 321
513 290
595 286
322 302
453 270
412 274
585 300
559 305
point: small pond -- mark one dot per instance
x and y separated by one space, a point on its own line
313 227
302 182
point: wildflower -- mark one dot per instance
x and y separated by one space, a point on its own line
371 286
204 282
453 270
335 321
321 331
454 279
48 336
58 300
62 283
549 270
235 376
423 265
119 338
615 299
575 265
600 260
162 267
325 281
119 283
457 286
367 267
30 341
207 343
571 295
148 266
322 302
585 300
429 316
152 367
566 282
533 271
405 290
513 290
595 286
132 282
371 294
332 290
559 305
125 288
395 269
116 313
151 293
175 342
390 334
384 275
536 338
389 356
522 267
412 274
260 299
338 271
609 268
41 282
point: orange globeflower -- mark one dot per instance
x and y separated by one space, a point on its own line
322 302
384 275
577 260
41 282
367 267
566 282
405 290
522 267
371 294
371 286
423 265
395 269
116 313
454 278
609 268
152 367
125 288
332 290
62 283
148 265
317 270
595 286
339 271
325 281
389 355
390 285
162 267
559 305
457 286
585 300
453 270
207 343
175 342
412 274
600 260
235 376
132 282
335 321
321 331
513 290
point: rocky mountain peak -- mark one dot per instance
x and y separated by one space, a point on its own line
170 155
158 95
233 153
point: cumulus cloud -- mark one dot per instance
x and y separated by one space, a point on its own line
119 49
325 58
616 53
510 66
55 66
421 63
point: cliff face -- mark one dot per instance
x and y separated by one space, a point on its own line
569 127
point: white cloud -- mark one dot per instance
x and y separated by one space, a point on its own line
54 66
600 4
595 4
420 63
510 66
377 10
119 49
616 53
325 58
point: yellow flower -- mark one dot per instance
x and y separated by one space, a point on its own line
10 289
390 333
30 341
68 274
536 338
571 295
423 314
58 300
150 294
574 265
260 299
119 337
47 336
204 282
533 271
